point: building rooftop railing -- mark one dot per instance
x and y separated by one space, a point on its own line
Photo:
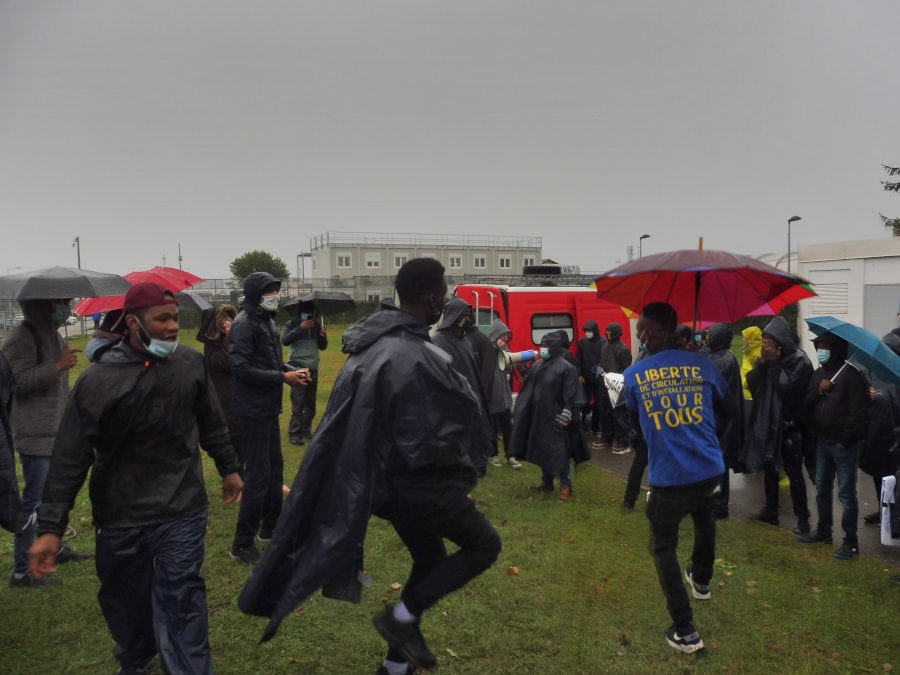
397 239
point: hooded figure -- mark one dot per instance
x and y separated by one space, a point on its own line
541 433
752 347
880 455
777 436
458 321
381 436
9 486
214 332
730 430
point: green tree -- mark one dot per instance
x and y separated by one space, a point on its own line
258 261
892 223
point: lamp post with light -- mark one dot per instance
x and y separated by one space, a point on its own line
792 219
640 245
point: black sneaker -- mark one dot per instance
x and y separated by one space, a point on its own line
802 526
384 671
767 516
67 554
247 555
297 440
873 518
405 637
814 538
28 581
688 643
846 551
265 534
701 591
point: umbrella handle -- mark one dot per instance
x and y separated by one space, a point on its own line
840 370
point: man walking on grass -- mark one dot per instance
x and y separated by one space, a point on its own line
136 421
396 440
671 394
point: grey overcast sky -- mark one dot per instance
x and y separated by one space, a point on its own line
233 126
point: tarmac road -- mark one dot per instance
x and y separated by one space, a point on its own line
746 499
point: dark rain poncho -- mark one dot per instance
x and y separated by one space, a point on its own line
552 384
398 415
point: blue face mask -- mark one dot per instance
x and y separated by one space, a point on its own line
161 349
823 355
60 314
305 316
545 352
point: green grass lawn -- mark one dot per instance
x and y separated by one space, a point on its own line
585 600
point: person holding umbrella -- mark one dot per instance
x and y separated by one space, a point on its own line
40 361
675 397
837 403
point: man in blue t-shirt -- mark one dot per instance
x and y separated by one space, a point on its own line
671 394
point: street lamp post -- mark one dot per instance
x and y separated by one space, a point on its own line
640 244
77 246
792 219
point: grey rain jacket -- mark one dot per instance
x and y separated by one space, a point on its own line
137 423
501 392
41 390
257 364
399 416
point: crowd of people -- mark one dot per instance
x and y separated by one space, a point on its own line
417 414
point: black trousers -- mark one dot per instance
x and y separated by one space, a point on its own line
262 498
423 516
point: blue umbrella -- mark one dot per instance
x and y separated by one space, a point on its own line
865 349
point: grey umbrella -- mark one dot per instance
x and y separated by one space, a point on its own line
56 283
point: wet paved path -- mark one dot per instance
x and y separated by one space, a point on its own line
746 499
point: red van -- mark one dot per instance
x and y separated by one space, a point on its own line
531 312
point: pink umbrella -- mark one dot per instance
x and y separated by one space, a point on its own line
170 278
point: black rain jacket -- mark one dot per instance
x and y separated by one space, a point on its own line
399 421
137 423
257 363
778 389
730 430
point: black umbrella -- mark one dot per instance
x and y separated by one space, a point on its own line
57 283
326 302
192 300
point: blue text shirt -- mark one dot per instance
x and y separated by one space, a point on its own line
673 392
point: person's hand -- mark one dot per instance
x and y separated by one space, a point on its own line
564 418
67 358
825 386
322 330
309 323
298 377
232 486
42 555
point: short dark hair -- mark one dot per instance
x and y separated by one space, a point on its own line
662 313
418 277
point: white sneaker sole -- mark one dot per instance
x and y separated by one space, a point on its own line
700 595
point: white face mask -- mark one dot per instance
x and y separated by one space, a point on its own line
269 302
589 334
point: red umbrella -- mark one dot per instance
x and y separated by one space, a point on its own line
709 286
170 278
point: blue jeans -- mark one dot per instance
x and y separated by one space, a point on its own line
153 595
34 469
263 478
834 461
666 508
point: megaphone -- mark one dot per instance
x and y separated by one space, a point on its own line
506 359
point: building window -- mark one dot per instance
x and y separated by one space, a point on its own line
400 259
528 260
455 262
541 324
479 262
504 262
373 260
343 262
373 297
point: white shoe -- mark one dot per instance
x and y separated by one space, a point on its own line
495 461
514 463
